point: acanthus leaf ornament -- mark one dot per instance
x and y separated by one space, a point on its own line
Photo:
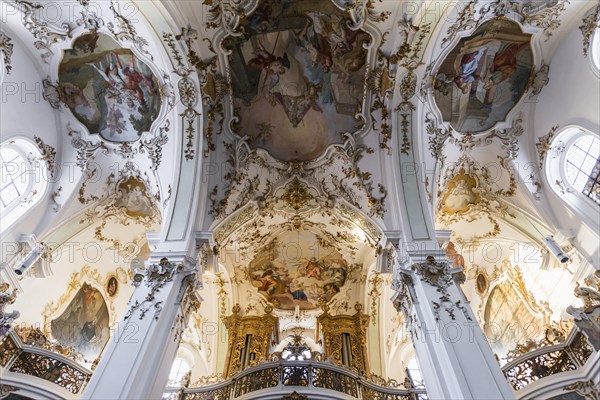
48 155
508 137
155 277
543 145
124 30
7 318
228 14
51 93
85 148
437 137
464 21
361 11
6 47
440 275
545 18
46 36
153 146
588 26
538 80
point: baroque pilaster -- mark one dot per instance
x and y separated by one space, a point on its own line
453 354
139 355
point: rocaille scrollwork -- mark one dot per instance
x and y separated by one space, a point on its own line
546 18
439 275
7 298
155 277
6 47
50 369
588 26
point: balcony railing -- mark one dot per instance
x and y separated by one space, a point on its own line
287 377
15 356
549 360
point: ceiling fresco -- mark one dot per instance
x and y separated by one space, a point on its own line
484 76
84 323
298 270
109 90
297 75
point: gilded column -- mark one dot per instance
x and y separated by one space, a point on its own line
455 358
137 360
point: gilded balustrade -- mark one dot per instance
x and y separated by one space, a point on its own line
17 357
547 361
288 377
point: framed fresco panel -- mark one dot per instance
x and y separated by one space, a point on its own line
84 324
108 89
484 76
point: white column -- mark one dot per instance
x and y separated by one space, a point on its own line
136 363
454 356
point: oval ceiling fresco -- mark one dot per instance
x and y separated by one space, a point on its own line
484 76
108 89
296 270
297 75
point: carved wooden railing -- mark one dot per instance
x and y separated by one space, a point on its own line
547 361
15 356
287 377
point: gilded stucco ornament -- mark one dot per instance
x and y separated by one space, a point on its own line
228 14
469 199
437 137
440 275
214 87
539 16
361 11
46 35
51 93
48 155
155 277
586 389
6 47
382 80
538 80
465 20
544 144
587 316
85 148
588 27
56 206
123 29
7 298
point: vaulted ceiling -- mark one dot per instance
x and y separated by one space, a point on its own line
329 129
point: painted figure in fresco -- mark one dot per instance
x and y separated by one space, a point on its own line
503 67
111 287
285 82
310 268
115 122
469 65
84 324
125 80
134 200
460 196
108 89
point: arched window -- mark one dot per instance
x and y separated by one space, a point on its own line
594 50
583 166
15 181
572 167
178 371
22 179
414 372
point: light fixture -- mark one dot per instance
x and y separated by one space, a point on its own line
555 249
